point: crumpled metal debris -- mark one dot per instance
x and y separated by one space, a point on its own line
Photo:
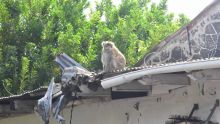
74 79
57 110
65 61
45 103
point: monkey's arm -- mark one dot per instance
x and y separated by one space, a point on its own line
105 58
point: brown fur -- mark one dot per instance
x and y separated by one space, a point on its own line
112 59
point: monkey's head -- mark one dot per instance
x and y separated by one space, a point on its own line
107 45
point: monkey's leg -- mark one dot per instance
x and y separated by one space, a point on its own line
104 68
114 65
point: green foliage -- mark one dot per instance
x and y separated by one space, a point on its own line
24 73
183 20
33 32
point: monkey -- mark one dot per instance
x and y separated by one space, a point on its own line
112 59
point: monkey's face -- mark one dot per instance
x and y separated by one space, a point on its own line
107 46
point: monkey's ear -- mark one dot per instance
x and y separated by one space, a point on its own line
111 43
103 43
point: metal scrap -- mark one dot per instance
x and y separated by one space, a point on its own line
44 104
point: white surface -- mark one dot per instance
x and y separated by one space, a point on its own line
191 8
171 68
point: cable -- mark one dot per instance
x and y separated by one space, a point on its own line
6 89
71 114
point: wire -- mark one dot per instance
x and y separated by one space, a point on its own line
71 115
6 89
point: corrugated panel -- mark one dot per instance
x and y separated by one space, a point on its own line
33 93
43 89
65 61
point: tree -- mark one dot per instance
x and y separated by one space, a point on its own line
33 32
